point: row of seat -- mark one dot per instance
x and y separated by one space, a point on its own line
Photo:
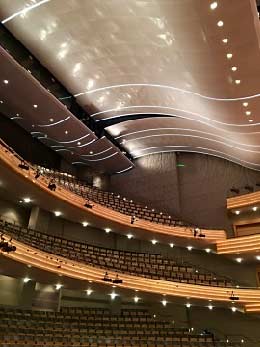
25 327
111 200
153 266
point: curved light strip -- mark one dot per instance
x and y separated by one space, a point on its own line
16 117
194 136
176 115
24 10
151 85
109 156
86 144
65 142
62 150
52 124
235 159
130 167
184 129
92 155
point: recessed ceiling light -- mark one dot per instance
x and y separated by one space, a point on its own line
107 230
237 81
229 55
130 236
254 208
245 104
66 132
26 200
239 260
248 113
214 5
35 106
57 213
237 212
154 242
85 224
225 40
234 68
6 81
220 23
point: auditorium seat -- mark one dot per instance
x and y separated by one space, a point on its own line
95 327
146 265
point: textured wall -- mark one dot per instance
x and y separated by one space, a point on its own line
154 182
195 192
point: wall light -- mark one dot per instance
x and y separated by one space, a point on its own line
171 245
188 305
6 81
154 242
89 291
210 307
233 309
107 230
58 286
214 5
208 250
239 260
27 200
220 23
113 295
254 208
229 55
26 280
57 213
130 236
257 257
164 302
85 224
189 248
237 212
136 299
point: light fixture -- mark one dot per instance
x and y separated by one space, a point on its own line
164 302
6 81
136 299
1 102
245 104
51 119
258 257
208 250
85 224
214 5
233 308
237 212
89 291
225 40
66 132
229 55
58 286
237 81
234 68
57 213
35 106
189 248
210 307
113 295
79 143
220 23
91 152
250 120
171 245
26 200
26 280
130 236
248 113
242 341
107 230
154 242
188 305
239 260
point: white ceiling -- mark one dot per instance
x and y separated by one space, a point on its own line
164 57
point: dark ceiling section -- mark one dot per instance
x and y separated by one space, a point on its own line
85 144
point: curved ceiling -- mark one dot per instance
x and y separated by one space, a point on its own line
196 62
